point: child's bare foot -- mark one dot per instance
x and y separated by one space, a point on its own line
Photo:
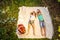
34 34
44 35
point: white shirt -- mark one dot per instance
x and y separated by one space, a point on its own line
32 17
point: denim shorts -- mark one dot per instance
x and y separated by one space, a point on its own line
31 22
42 24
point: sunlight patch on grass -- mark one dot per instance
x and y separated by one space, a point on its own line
58 0
58 28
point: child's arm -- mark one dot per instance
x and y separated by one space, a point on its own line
36 15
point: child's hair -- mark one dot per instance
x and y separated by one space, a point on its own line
34 13
38 11
31 13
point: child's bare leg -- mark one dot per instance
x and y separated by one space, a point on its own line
28 28
33 28
44 30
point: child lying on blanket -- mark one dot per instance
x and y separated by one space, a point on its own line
41 22
31 22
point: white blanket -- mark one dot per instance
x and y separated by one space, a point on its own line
23 17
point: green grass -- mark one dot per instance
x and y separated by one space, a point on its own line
34 39
58 0
58 28
9 10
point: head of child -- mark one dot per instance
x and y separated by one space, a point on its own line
38 11
33 13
